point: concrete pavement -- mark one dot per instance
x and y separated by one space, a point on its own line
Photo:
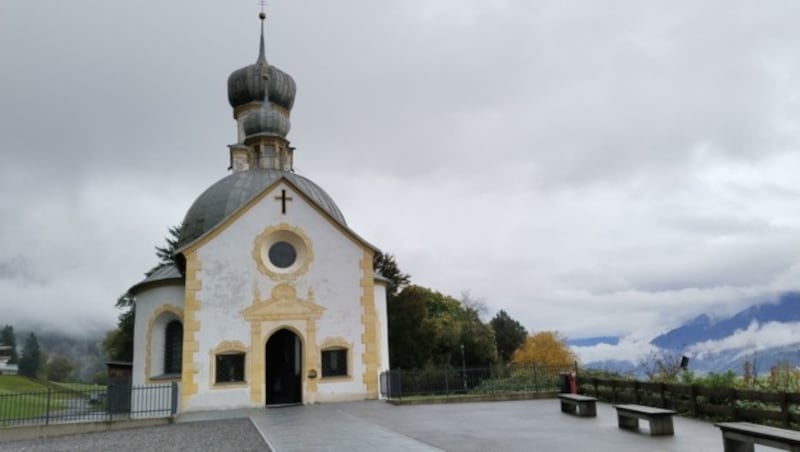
535 425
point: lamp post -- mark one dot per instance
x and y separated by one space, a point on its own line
463 368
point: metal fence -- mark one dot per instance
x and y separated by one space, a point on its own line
398 383
60 404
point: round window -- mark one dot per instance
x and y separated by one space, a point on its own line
282 254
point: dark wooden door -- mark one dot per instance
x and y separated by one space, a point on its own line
284 363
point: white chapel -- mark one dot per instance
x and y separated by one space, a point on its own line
274 299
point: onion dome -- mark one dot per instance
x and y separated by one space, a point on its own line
230 193
265 121
252 83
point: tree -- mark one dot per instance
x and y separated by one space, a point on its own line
509 335
663 366
428 328
477 338
386 266
118 343
546 348
29 362
59 369
408 346
7 337
166 254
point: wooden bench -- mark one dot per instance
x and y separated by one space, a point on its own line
581 406
743 436
660 420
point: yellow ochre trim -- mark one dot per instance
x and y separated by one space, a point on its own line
337 343
148 357
274 234
283 310
369 324
221 349
191 327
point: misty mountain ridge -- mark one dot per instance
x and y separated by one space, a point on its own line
765 335
702 328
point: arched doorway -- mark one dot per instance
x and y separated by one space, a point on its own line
284 357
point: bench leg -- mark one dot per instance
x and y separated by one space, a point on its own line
628 423
568 407
733 445
661 426
589 410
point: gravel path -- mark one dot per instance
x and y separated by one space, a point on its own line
234 435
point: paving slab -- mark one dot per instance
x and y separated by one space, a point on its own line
531 425
328 428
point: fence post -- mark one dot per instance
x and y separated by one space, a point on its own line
535 379
47 416
614 391
785 409
174 407
693 395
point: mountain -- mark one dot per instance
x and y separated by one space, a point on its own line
590 341
714 345
701 328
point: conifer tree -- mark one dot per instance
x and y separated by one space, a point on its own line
31 357
7 337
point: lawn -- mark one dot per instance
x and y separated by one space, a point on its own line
15 384
21 398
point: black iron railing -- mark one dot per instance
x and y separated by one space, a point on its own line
60 404
398 383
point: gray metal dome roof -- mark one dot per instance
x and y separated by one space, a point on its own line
223 198
266 121
248 85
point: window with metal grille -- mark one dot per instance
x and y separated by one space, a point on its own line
334 362
173 347
230 367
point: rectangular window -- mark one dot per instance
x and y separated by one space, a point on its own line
334 363
230 367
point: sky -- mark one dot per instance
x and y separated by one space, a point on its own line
596 168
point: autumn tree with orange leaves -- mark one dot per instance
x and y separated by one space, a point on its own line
546 348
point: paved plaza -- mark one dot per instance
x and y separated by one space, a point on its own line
535 425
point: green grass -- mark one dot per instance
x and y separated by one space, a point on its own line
21 397
14 384
79 386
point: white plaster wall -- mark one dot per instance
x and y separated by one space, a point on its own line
383 326
230 278
147 303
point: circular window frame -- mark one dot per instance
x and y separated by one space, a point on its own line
283 233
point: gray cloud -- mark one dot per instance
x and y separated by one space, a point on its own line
629 162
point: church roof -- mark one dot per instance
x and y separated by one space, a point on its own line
249 83
230 193
163 274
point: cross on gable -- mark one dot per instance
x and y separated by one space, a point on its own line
283 198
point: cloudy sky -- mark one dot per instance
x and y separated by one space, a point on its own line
597 168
